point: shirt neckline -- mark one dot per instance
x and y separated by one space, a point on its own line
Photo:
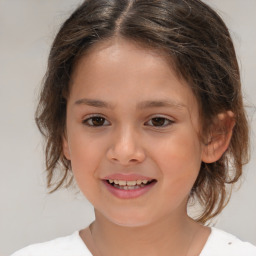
206 245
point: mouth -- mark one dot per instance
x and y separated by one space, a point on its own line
129 189
129 185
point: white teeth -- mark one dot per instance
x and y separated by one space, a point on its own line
129 187
128 183
122 182
131 183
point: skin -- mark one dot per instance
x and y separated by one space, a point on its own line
124 75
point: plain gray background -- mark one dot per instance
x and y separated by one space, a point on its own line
27 213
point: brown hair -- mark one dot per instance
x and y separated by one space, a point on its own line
196 40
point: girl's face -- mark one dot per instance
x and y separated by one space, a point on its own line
129 118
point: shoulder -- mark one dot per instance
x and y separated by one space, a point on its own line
62 246
223 243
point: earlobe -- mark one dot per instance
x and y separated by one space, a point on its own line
219 137
65 148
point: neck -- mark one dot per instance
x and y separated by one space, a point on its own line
170 234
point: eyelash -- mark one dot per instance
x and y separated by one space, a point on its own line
85 122
167 122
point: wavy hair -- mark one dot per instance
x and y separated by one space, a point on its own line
199 45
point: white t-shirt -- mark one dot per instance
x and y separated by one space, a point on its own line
219 243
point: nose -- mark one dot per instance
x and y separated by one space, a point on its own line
126 148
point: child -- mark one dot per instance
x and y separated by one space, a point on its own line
142 104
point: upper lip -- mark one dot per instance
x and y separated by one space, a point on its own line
127 177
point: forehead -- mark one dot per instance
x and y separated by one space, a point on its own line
120 71
122 52
125 55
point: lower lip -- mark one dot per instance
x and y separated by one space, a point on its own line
128 194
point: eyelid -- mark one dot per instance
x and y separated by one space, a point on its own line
88 117
170 121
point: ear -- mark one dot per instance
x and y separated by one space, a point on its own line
65 147
219 137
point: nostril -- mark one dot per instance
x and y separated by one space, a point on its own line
133 160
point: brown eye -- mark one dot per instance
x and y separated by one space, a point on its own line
159 122
96 121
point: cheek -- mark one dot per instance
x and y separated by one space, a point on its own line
180 160
86 155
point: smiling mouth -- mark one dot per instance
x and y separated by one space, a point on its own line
129 185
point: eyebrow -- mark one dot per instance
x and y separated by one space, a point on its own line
160 103
142 105
94 103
